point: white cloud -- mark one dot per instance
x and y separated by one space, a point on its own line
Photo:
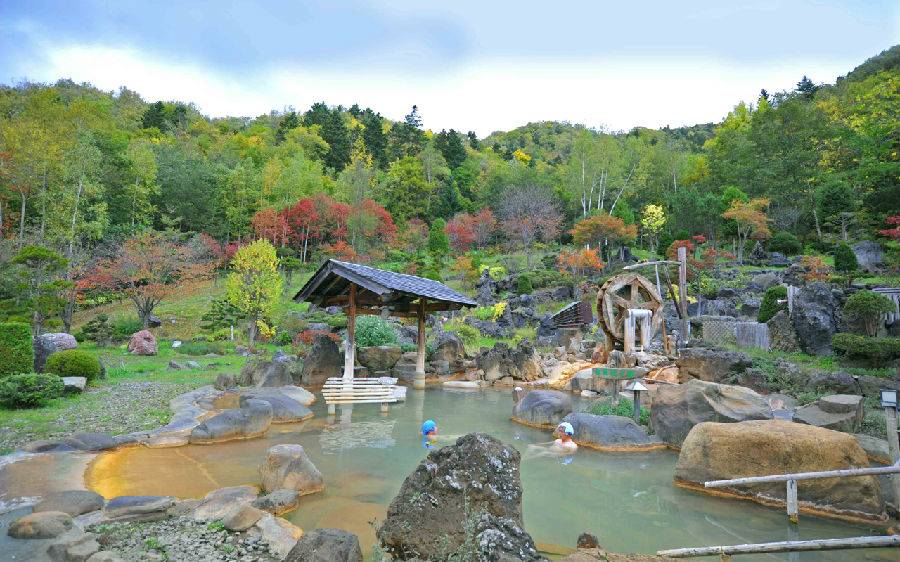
485 95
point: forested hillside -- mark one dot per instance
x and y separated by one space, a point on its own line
83 170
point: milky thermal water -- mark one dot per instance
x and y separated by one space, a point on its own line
627 500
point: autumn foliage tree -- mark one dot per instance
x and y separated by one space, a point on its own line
751 221
580 262
147 269
254 285
603 229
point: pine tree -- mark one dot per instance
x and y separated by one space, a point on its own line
289 122
155 116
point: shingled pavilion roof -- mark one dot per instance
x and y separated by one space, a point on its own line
378 288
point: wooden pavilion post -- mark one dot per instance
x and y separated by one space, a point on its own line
350 352
419 380
682 295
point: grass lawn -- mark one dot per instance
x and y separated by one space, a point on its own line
116 404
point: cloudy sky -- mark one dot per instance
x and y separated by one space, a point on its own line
480 65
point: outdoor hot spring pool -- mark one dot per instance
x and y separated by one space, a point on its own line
627 500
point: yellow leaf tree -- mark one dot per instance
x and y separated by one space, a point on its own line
652 222
254 285
751 220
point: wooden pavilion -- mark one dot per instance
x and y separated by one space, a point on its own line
360 289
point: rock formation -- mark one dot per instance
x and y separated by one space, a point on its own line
465 498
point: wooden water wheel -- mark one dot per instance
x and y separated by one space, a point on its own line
618 294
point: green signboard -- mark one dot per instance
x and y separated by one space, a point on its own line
617 373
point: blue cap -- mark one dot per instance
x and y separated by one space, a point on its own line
567 428
428 427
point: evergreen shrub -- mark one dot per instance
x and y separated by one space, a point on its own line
786 243
29 390
770 306
875 351
868 307
16 351
74 363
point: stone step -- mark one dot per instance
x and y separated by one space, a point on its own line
840 403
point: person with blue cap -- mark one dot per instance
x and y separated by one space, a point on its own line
429 434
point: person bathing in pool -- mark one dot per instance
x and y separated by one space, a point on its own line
430 436
563 445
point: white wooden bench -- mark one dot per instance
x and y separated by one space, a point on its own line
358 391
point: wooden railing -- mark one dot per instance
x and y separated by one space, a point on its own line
791 479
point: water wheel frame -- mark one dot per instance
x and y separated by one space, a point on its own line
612 304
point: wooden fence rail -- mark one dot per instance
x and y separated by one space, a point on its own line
784 546
793 506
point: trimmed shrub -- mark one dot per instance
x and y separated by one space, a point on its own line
770 306
786 243
868 307
523 285
876 351
29 390
16 351
844 259
373 331
74 363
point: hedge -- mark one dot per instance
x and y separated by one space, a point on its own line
16 351
29 390
74 363
877 351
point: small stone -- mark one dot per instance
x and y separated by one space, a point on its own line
278 502
243 519
74 385
587 540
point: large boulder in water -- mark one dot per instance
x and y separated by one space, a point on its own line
542 408
73 502
723 451
270 373
142 343
252 419
326 545
46 345
678 408
469 488
815 317
284 408
324 361
611 433
40 525
711 365
288 467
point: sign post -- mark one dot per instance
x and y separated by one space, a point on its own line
616 374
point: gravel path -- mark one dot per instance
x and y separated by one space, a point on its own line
122 408
180 538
